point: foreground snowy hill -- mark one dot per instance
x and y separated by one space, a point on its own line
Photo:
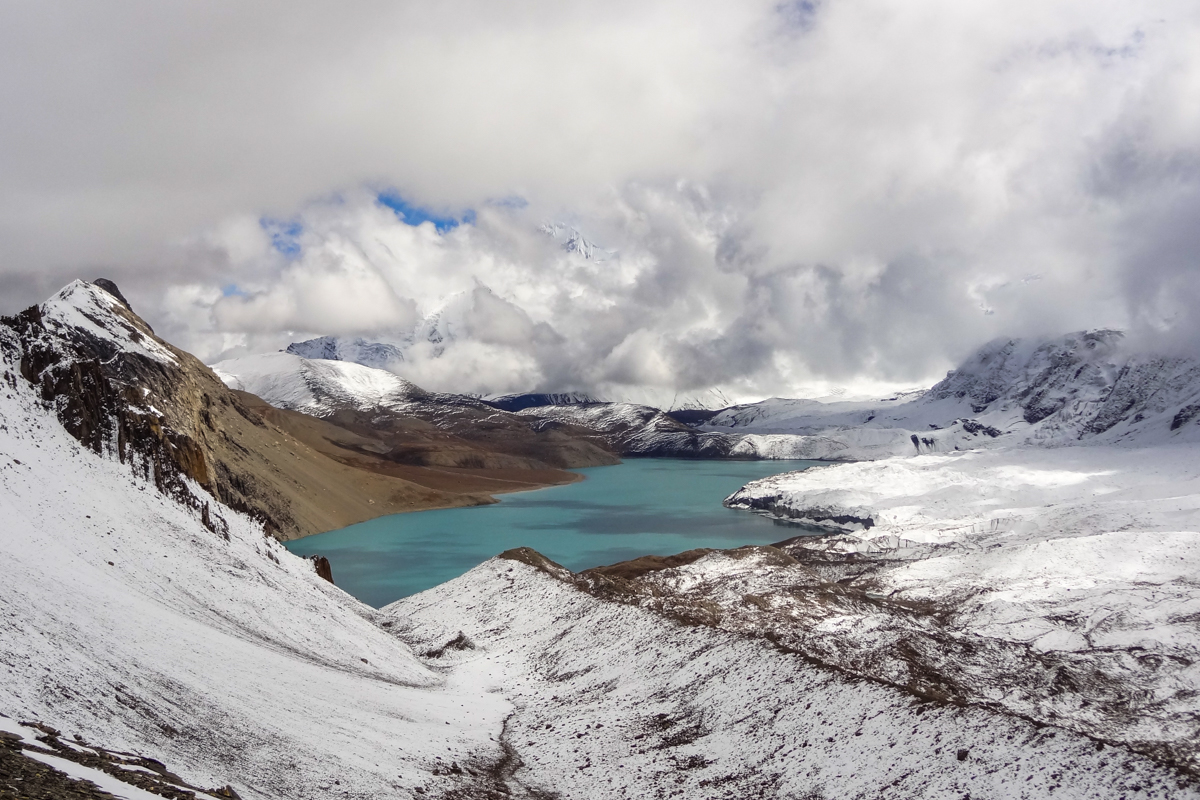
143 619
617 699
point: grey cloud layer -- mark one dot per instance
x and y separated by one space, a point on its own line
799 193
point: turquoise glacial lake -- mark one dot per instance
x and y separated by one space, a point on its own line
648 506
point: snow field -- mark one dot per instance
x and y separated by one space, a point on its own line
613 701
1090 555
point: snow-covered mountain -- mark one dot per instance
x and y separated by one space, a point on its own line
571 240
356 350
145 613
406 424
123 391
1083 388
319 387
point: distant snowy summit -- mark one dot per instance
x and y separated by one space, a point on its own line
379 355
571 240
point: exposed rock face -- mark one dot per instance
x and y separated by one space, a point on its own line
119 389
111 288
324 570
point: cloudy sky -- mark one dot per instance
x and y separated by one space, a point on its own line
783 197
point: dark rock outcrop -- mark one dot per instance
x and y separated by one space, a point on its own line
111 288
323 568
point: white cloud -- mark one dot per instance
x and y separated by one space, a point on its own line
800 193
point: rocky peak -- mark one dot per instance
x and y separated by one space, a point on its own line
111 288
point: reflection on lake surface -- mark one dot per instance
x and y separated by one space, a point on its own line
640 507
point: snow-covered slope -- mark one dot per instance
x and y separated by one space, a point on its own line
128 619
612 700
1059 584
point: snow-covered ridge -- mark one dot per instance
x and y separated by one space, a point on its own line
615 700
520 402
1082 388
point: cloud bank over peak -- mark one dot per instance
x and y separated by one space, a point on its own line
780 195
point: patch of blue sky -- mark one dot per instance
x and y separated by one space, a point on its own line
799 15
285 235
233 290
409 214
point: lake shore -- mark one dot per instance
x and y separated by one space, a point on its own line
642 507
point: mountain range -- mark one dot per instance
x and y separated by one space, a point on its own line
1005 607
